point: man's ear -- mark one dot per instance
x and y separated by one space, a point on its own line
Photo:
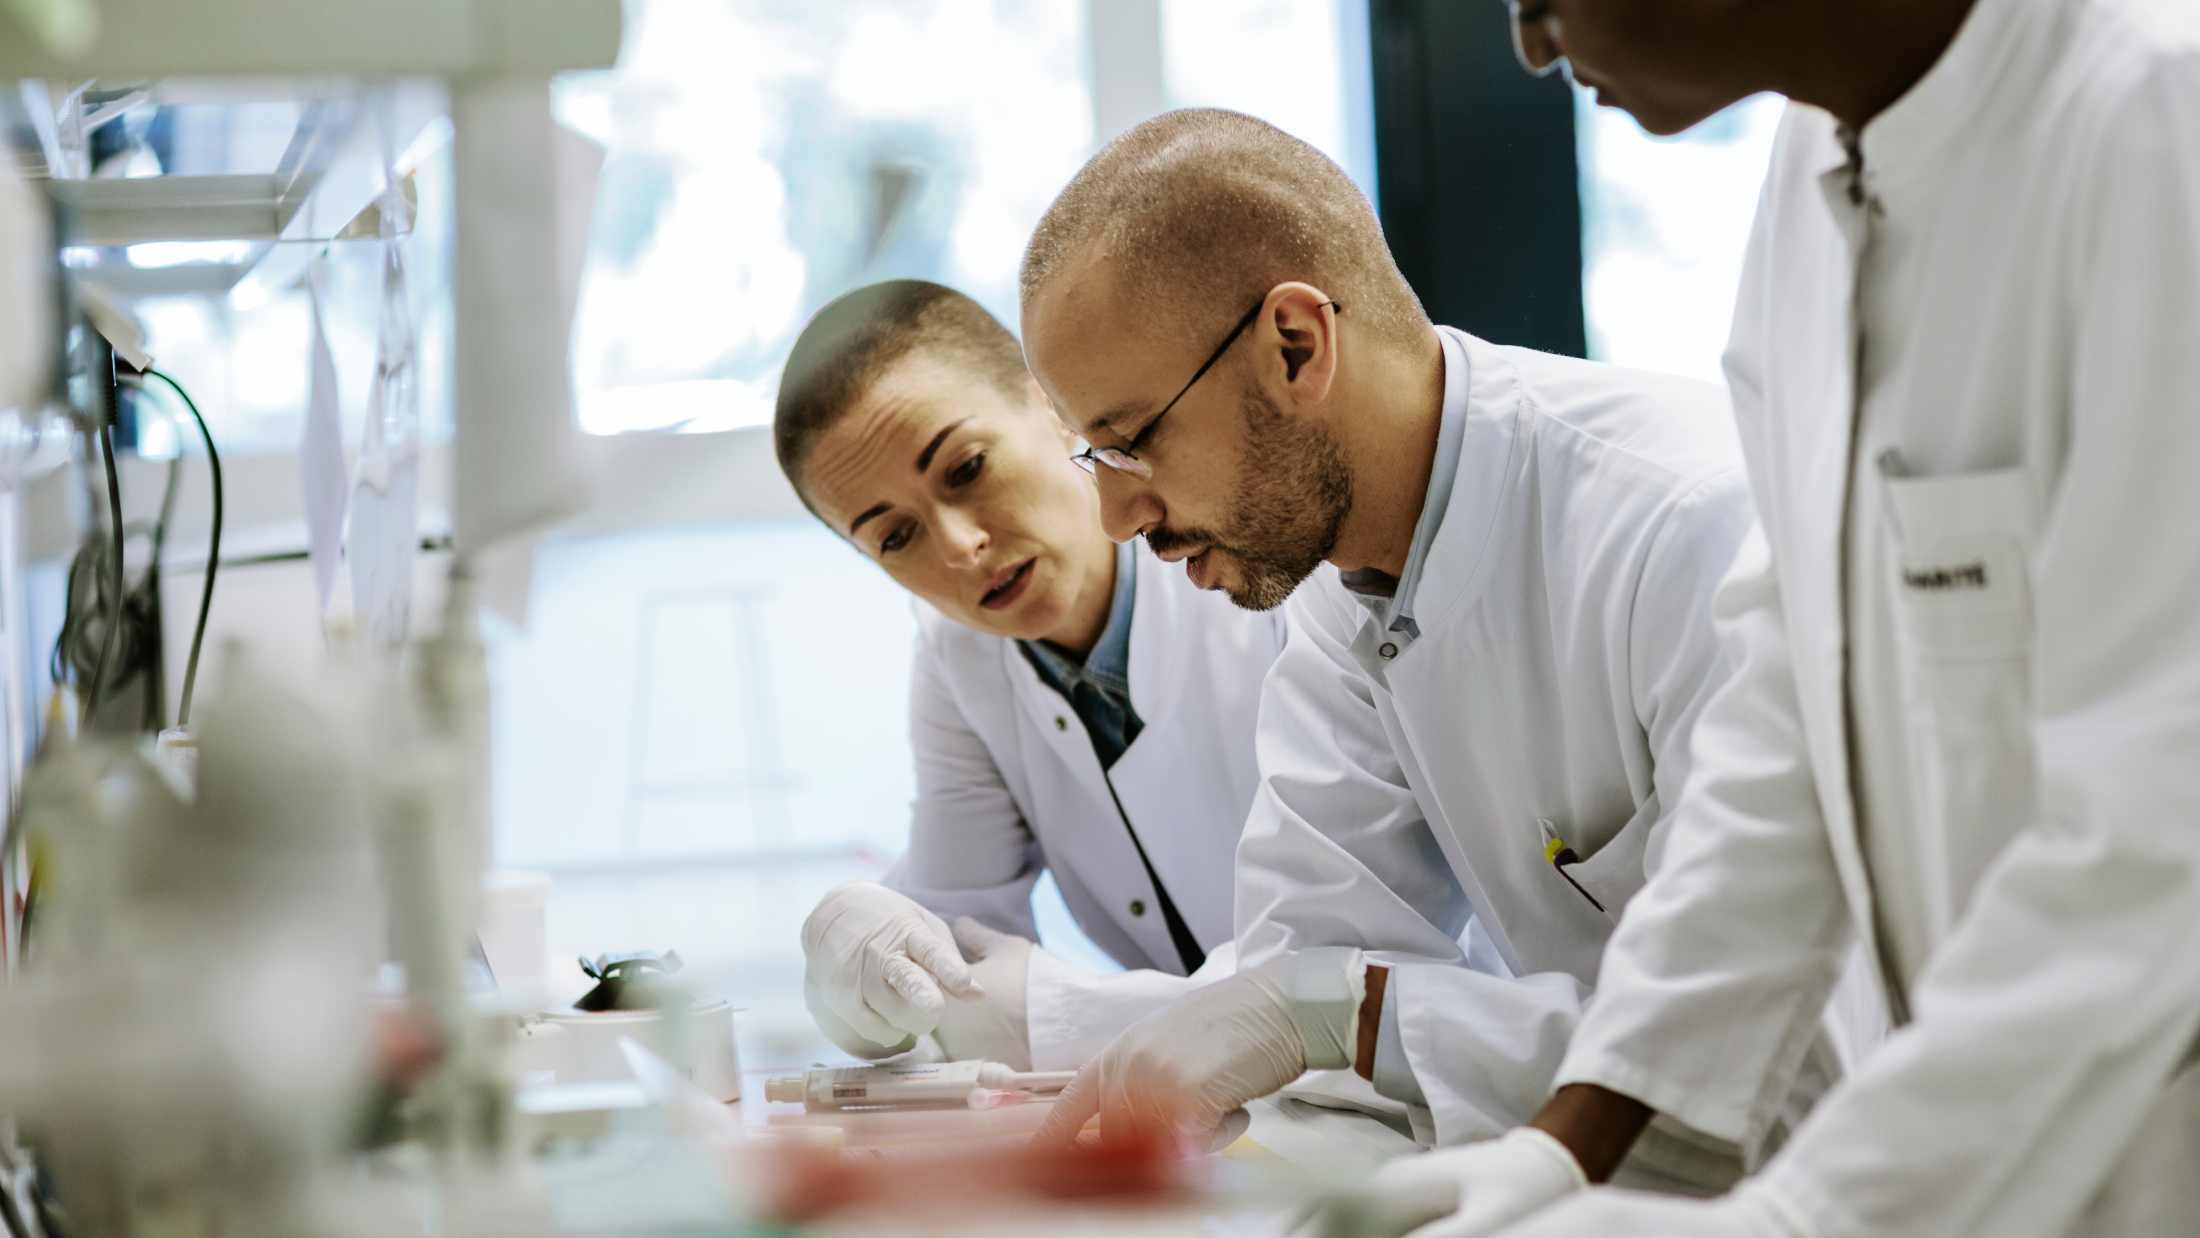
1297 336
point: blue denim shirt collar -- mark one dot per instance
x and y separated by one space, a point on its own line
1108 666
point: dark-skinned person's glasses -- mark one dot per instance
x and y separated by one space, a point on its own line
1526 14
1125 459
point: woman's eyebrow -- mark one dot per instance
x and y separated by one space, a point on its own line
876 509
924 458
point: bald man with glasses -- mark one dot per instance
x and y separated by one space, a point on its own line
1499 567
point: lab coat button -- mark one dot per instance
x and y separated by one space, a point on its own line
1138 906
1061 723
1388 651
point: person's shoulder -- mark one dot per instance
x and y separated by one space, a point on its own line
2118 122
2154 49
1672 429
2127 72
2142 34
954 646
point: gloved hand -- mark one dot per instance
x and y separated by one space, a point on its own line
1613 1213
1180 1070
1465 1192
875 968
993 1028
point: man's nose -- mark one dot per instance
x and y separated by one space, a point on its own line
1128 506
1535 43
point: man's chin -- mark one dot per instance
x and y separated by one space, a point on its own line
1263 590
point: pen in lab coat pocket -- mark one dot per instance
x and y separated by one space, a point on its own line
1560 855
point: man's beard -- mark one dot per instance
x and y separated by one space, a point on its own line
1292 497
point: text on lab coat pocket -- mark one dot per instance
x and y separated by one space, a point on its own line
1959 588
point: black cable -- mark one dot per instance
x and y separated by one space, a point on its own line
155 665
168 489
114 620
213 550
64 646
77 645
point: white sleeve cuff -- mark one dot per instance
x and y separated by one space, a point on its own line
1393 1072
1326 987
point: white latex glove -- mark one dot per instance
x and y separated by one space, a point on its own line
877 969
1182 1069
1465 1192
993 1028
1612 1213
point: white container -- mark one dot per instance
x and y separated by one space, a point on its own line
176 756
514 930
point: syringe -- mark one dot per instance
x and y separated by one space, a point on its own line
978 1085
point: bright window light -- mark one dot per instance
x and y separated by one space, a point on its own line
1664 224
764 159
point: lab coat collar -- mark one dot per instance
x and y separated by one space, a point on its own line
1110 661
1489 400
1393 606
1159 629
1108 666
1987 57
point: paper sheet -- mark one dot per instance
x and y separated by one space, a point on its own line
385 511
321 469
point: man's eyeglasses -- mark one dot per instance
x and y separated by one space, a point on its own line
1125 459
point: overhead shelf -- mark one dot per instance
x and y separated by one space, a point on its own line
135 235
371 88
331 64
172 208
405 38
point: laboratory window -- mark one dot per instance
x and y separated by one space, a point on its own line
1665 222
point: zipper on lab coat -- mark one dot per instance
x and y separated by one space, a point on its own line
1867 207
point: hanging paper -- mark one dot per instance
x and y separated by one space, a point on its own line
385 501
321 469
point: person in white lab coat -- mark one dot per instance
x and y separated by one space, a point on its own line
1966 365
1073 709
1482 716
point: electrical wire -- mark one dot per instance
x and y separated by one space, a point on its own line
82 634
155 662
213 549
114 620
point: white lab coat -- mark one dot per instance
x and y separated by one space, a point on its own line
1008 786
2002 617
1565 649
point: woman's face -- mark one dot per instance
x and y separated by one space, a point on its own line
966 496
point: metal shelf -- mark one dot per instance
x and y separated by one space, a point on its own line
376 84
331 172
275 51
393 38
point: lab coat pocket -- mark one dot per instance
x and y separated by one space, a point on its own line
1961 588
1960 593
1613 872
